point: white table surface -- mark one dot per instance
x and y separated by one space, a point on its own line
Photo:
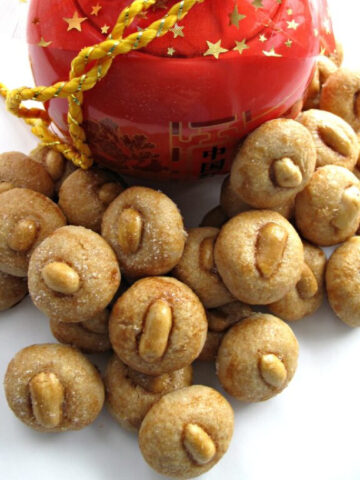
310 431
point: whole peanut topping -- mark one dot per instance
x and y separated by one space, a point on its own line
270 246
129 230
272 370
47 397
348 209
55 164
206 254
23 235
336 139
307 286
61 278
109 191
287 173
5 186
198 444
155 336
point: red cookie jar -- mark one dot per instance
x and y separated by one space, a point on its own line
179 107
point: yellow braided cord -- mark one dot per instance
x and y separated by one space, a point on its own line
81 80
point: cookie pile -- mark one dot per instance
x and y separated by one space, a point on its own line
114 269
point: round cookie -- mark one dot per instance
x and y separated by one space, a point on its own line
187 432
307 295
327 211
26 218
73 275
196 268
216 218
146 230
274 163
85 195
53 388
257 358
130 394
157 326
340 96
219 321
12 290
259 256
52 160
324 68
91 336
20 171
335 141
343 282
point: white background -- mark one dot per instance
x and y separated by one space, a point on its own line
310 431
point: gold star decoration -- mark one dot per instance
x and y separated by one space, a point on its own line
43 43
292 25
289 43
241 46
322 51
177 31
289 11
215 49
170 51
95 10
75 22
235 17
271 53
105 29
258 4
262 38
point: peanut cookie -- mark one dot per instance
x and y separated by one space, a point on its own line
307 295
146 230
52 160
343 282
157 326
196 268
85 195
259 256
324 68
216 218
327 211
53 388
26 218
20 171
257 358
335 141
340 95
187 432
274 163
219 321
91 336
12 290
73 275
131 394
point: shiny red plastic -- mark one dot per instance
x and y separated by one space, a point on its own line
170 110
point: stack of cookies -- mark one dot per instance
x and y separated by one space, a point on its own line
113 268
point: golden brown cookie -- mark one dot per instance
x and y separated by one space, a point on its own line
257 358
53 161
340 95
130 394
187 432
219 321
335 141
85 195
196 268
73 275
327 211
324 68
12 290
259 256
342 282
26 218
274 163
307 295
146 230
216 218
91 336
157 326
53 388
20 171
